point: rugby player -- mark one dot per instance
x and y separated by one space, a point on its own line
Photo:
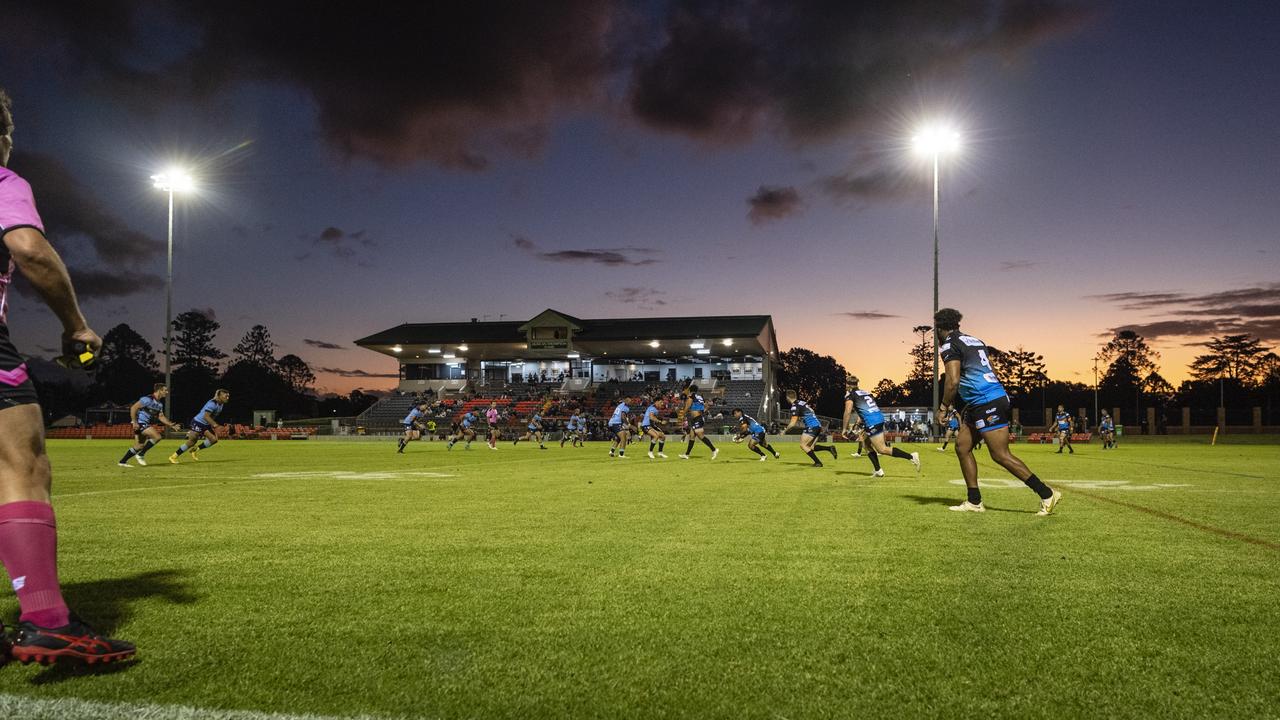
619 428
651 425
695 408
953 427
412 425
755 433
802 413
204 424
873 419
1063 422
145 416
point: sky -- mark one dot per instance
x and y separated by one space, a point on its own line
1117 169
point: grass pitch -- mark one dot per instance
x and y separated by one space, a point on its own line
341 579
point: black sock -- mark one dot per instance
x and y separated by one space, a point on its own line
128 454
652 445
707 441
975 496
812 456
875 459
1039 487
143 452
770 449
661 444
944 444
901 454
689 450
757 450
824 448
402 444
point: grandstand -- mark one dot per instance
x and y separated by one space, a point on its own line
555 360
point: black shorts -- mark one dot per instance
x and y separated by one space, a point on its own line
758 437
989 416
615 429
813 431
695 423
15 386
874 430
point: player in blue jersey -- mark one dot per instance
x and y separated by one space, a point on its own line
695 408
412 425
147 416
203 425
754 432
953 427
620 428
651 425
1107 431
803 414
466 429
984 411
864 404
533 431
574 430
1062 426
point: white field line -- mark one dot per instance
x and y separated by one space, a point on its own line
26 708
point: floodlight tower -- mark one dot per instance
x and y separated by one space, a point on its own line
171 181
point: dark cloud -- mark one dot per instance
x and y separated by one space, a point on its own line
613 257
457 84
1251 310
355 373
643 297
773 203
1167 328
871 315
817 68
322 344
71 212
98 284
341 245
1011 265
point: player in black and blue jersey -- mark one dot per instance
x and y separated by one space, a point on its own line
1107 431
695 409
412 425
1062 425
574 430
466 430
985 411
147 416
651 426
533 431
755 433
620 428
803 414
953 427
865 405
203 425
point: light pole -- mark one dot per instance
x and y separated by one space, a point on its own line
934 141
1095 389
170 181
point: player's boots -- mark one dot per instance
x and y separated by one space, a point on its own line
141 460
74 641
174 458
878 473
967 506
915 460
1047 506
194 453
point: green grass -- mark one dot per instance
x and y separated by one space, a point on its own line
565 584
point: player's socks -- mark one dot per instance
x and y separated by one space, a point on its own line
875 459
1039 487
707 441
206 445
183 448
29 552
689 450
813 457
757 451
901 454
829 448
975 496
945 443
149 444
128 454
652 444
661 445
770 449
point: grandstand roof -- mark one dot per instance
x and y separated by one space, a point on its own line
490 340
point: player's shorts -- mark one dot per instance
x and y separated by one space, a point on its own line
15 386
142 428
874 430
814 431
953 425
533 428
615 429
199 427
758 437
696 423
989 416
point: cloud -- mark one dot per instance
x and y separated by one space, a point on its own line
871 315
612 257
458 84
98 284
1252 310
70 211
340 244
817 68
1011 265
322 344
648 298
773 203
355 373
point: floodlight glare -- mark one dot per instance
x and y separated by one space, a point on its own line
397 349
936 140
653 343
174 180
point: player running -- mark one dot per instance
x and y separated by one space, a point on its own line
573 430
953 427
146 415
755 433
869 412
985 412
492 416
47 631
651 425
412 425
1063 422
801 413
619 428
465 430
534 431
694 409
1107 431
204 424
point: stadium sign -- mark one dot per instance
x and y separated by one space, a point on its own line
549 343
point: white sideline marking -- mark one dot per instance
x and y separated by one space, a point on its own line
1081 484
350 475
17 706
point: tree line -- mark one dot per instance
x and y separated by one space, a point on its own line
1236 370
128 367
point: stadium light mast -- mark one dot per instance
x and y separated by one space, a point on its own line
934 141
170 181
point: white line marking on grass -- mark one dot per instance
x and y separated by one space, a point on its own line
349 475
159 487
1080 484
17 706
